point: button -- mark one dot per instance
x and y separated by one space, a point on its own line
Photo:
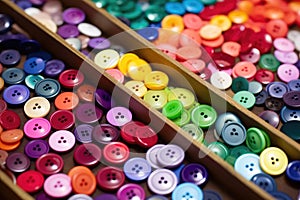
264 76
175 8
88 113
61 141
277 89
86 92
68 31
192 21
210 32
137 87
288 114
34 65
106 196
49 163
292 170
203 116
283 44
104 99
221 80
17 162
274 104
234 133
255 87
128 131
10 58
194 173
148 33
170 156
286 57
273 161
1 83
54 67
110 178
137 169
194 131
30 181
239 84
83 180
194 65
116 153
66 101
156 197
255 140
280 195
244 69
252 56
224 119
37 107
247 165
48 88
6 22
151 155
183 119
3 156
87 154
262 41
118 116
89 30
277 28
269 62
73 16
71 78
265 182
155 13
105 133
131 191
9 120
31 80
172 109
62 120
107 59
16 94
138 69
29 46
156 80
13 76
236 152
125 60
173 22
270 117
162 181
58 185
80 197
83 133
219 148
74 42
116 74
99 43
11 136
287 72
188 52
187 191
292 99
294 85
245 98
145 136
36 148
211 195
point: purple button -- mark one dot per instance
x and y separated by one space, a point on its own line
16 94
104 99
10 58
73 16
23 4
131 191
194 173
105 133
43 196
277 89
88 113
54 67
286 57
17 162
68 31
106 196
292 99
294 85
270 117
36 148
99 43
5 23
83 133
87 154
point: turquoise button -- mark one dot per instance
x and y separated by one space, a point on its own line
31 80
219 148
48 88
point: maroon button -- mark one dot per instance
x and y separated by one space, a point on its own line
3 105
49 164
105 133
205 74
234 33
128 131
223 60
88 113
146 137
245 42
62 120
87 154
10 120
110 178
71 78
292 99
264 76
262 41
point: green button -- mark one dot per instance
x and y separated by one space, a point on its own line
156 98
219 148
172 109
239 84
31 80
203 115
208 2
184 119
155 13
137 12
139 23
195 131
160 2
245 98
255 140
230 160
236 152
267 138
269 61
100 3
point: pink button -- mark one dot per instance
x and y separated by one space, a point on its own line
62 140
287 72
286 57
58 185
283 44
168 49
117 74
214 69
37 128
252 56
118 116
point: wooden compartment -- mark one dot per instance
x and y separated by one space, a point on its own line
222 175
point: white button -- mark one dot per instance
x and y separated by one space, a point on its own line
107 59
221 80
89 30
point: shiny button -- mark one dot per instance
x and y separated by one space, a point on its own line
105 133
62 120
293 170
244 69
37 128
62 141
292 99
16 94
118 116
247 165
162 181
234 133
11 136
294 85
151 155
49 164
145 136
3 156
131 191
86 92
53 68
195 131
224 119
194 173
274 104
128 131
83 180
10 58
89 30
137 169
71 78
34 65
255 140
37 107
264 76
269 62
30 181
58 185
138 69
277 89
116 153
80 197
287 72
36 148
173 109
31 80
219 148
203 115
187 191
110 178
273 161
221 80
265 182
170 156
107 59
48 88
87 154
137 87
9 120
104 99
245 98
66 101
288 114
88 113
17 162
83 133
156 80
186 97
73 16
270 117
156 98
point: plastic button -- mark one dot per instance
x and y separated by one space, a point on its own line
156 80
277 89
62 141
107 59
292 99
173 109
62 120
145 136
270 117
73 16
294 85
83 180
245 98
34 65
54 67
118 116
255 87
170 156
211 195
86 92
137 169
221 80
83 133
274 104
105 133
162 181
10 58
247 165
116 153
265 182
239 84
138 69
194 173
156 98
7 23
17 162
203 115
16 94
104 99
234 133
36 148
137 87
30 181
87 154
264 76
219 148
58 185
9 120
290 129
11 136
187 191
269 62
110 178
88 113
173 23
292 171
31 80
66 101
37 128
236 152
48 88
99 43
128 131
255 140
3 156
273 161
186 97
68 31
89 30
71 78
37 107
131 191
224 119
194 131
49 164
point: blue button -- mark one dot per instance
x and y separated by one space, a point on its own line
265 182
280 195
48 88
211 195
293 170
16 94
54 67
137 169
187 191
177 171
29 46
193 6
234 133
277 89
176 8
149 34
23 4
83 133
194 173
34 65
294 85
288 114
247 165
13 76
40 54
224 119
10 58
5 23
10 43
157 197
31 80
261 97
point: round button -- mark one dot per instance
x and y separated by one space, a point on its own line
156 80
137 87
87 154
37 107
234 133
9 120
83 133
292 99
194 173
245 98
10 58
80 197
86 92
173 23
99 43
273 161
255 140
88 113
244 69
294 85
53 68
62 141
31 80
3 156
283 44
293 171
252 56
151 155
48 88
277 89
269 62
162 181
116 153
49 163
34 65
104 99
183 119
264 76
274 104
37 128
62 120
68 31
17 162
186 97
195 131
236 152
6 22
11 136
173 109
125 60
255 87
89 30
219 148
138 69
71 78
270 117
36 148
156 98
110 178
145 136
58 185
265 182
211 195
3 105
288 114
194 65
128 131
66 101
30 181
210 32
224 119
107 59
73 16
131 191
221 80
83 180
187 191
137 169
287 72
118 116
16 94
203 115
105 133
247 165
170 156
286 57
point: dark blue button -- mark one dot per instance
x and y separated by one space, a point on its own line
83 133
13 76
34 65
176 8
48 88
149 34
194 173
40 54
277 89
193 6
288 114
31 80
137 169
234 133
294 85
293 170
29 46
5 23
211 195
10 58
261 98
265 182
16 94
10 43
157 197
177 172
54 68
270 117
280 195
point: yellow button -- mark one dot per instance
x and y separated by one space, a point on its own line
138 69
1 83
107 59
156 80
238 16
37 107
186 97
173 23
124 62
210 32
221 21
156 98
137 87
273 161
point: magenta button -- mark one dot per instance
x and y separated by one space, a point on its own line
37 128
131 191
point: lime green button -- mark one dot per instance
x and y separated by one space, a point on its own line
269 61
236 152
186 97
155 13
219 148
156 98
184 119
195 131
172 109
245 98
255 140
203 115
267 138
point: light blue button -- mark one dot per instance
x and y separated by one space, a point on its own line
31 80
137 169
248 165
187 191
234 133
176 8
288 114
13 76
193 6
34 65
224 119
255 87
157 197
294 85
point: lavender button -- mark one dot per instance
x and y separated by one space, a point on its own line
99 43
17 162
88 113
277 89
68 31
270 117
54 67
83 133
73 16
106 197
16 94
104 99
105 133
36 148
286 57
170 156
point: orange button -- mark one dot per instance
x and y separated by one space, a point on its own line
12 136
188 52
83 180
214 43
1 83
231 48
167 37
277 28
238 16
189 37
173 23
66 101
289 17
86 92
272 12
9 147
246 6
244 69
210 32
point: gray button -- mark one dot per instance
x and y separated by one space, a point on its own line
170 156
234 133
255 87
162 181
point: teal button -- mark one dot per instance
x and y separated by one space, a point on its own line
155 13
100 3
203 115
219 148
137 12
48 88
239 84
208 2
269 61
31 80
236 152
139 23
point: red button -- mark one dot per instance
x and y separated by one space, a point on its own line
9 120
105 133
87 154
71 78
223 60
49 164
3 105
116 152
110 178
62 120
128 131
262 41
146 137
30 181
264 76
234 33
205 74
